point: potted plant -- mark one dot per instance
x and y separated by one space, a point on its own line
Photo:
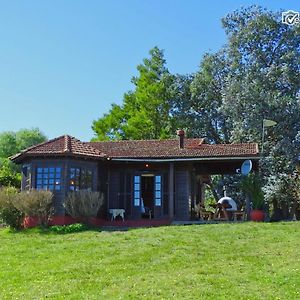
251 185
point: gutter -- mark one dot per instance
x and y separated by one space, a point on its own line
185 159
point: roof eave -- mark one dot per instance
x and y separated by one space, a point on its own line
178 159
20 157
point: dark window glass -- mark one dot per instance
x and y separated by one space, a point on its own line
80 179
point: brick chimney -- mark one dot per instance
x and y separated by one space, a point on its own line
180 133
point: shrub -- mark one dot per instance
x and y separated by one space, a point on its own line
252 186
35 203
9 214
83 203
283 194
69 228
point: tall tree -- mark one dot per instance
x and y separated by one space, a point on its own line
197 100
264 82
145 111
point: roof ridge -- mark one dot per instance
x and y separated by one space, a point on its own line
86 145
124 141
67 143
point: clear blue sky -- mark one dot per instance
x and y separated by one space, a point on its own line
63 62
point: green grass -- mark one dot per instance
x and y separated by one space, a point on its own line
221 261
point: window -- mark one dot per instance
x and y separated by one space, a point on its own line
48 179
137 190
26 183
157 191
80 179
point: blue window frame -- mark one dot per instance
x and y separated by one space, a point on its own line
48 178
157 190
137 190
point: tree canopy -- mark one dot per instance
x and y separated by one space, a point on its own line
255 76
12 143
144 113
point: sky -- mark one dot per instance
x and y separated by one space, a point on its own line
64 62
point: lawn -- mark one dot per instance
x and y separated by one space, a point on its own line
220 261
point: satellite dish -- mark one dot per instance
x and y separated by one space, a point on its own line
246 167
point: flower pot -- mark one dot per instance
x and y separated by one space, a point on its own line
257 215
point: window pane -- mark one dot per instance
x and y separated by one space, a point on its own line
51 181
39 181
158 186
57 181
45 181
39 170
39 176
38 187
51 175
137 187
136 179
51 170
58 170
157 179
137 194
45 175
57 175
157 194
46 170
51 187
57 187
136 202
158 202
72 188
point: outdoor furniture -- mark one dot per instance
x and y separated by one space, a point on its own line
239 215
202 213
221 214
206 215
147 213
115 212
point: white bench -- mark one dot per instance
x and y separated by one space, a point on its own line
117 212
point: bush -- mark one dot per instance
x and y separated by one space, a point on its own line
252 186
283 194
69 228
83 203
9 175
9 214
35 203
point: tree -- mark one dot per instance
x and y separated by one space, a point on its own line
145 112
10 144
13 142
29 137
264 82
9 174
197 100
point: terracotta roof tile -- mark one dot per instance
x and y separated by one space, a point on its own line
193 148
170 149
64 145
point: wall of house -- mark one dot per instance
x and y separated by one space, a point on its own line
120 187
65 165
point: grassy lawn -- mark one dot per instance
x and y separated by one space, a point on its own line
221 261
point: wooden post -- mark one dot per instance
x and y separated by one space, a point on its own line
171 190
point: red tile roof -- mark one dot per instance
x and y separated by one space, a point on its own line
137 149
64 145
170 149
